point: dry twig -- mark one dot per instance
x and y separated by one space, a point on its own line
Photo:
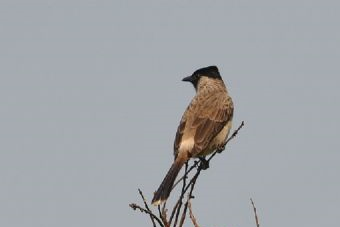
256 217
137 207
147 207
191 214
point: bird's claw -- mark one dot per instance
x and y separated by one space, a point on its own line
204 163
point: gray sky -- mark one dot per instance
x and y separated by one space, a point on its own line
91 95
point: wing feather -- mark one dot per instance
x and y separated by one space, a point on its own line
204 119
211 122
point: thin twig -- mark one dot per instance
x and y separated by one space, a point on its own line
184 190
193 179
192 183
256 217
163 216
178 208
147 207
173 211
185 175
183 214
191 214
135 207
159 211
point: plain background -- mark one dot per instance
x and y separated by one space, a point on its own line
91 96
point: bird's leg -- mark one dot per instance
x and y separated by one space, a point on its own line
204 163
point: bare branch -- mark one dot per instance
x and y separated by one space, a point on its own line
192 184
137 207
256 217
192 217
173 211
186 173
147 207
179 202
183 215
164 216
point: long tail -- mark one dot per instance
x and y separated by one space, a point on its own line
164 189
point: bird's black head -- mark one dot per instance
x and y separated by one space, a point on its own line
210 71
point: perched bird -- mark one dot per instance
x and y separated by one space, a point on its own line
204 126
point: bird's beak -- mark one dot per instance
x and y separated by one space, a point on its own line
188 79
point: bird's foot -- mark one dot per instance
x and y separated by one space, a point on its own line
204 163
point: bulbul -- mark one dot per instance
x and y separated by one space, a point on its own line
204 126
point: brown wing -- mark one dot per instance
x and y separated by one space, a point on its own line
214 114
179 134
205 117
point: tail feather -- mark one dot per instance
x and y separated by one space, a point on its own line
164 189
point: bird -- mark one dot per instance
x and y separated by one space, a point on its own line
204 126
